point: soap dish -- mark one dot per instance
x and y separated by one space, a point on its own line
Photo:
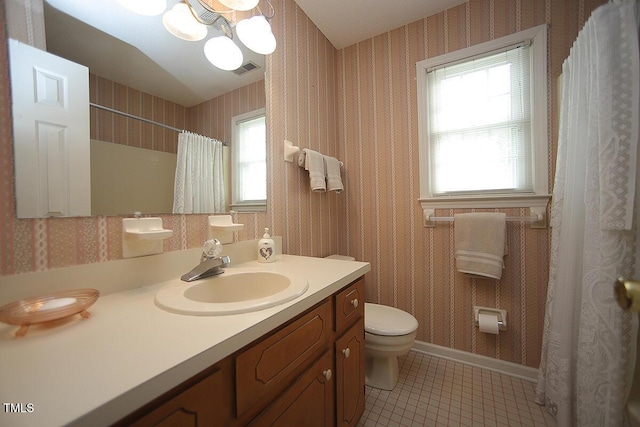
46 308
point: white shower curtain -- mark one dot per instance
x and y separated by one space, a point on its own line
199 182
588 348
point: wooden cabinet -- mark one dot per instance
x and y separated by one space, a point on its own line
307 402
204 404
350 370
307 372
266 368
349 354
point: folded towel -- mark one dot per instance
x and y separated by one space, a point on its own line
480 242
334 181
314 163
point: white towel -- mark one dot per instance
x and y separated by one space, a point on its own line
480 242
334 181
314 163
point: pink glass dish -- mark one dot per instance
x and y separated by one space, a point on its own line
45 308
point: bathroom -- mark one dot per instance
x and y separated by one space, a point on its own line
357 103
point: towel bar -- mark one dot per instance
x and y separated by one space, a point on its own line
532 218
538 217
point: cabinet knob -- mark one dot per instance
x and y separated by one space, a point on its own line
354 302
346 352
327 374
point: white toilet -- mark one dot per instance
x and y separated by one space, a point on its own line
388 333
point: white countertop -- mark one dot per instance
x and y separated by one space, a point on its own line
93 372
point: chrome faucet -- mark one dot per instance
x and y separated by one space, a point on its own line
210 263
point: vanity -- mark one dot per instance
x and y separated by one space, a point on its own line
133 363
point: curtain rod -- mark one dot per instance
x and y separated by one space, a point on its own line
142 119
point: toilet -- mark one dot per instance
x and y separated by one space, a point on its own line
388 333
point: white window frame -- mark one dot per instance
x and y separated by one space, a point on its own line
539 198
236 203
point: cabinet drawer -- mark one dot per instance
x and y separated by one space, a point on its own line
349 305
269 366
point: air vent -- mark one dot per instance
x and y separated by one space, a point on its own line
246 67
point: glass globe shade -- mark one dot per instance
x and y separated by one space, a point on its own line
255 33
240 4
180 22
145 7
222 52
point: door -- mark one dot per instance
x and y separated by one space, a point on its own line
51 133
628 296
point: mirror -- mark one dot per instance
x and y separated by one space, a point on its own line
149 74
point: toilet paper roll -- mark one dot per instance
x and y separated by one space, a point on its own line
488 323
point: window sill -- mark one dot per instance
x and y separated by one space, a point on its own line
537 203
249 207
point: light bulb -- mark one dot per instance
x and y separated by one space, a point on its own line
240 4
255 33
180 22
222 52
145 7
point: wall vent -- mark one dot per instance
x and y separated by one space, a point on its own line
246 67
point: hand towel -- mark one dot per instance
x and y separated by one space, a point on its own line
314 163
334 181
480 243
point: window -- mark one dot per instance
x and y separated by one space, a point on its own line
249 161
483 124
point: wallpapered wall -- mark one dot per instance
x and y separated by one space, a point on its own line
413 268
358 104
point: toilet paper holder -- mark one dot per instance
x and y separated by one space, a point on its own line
499 313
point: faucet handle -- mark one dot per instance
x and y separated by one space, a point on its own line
211 249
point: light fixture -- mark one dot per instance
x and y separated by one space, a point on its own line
256 34
241 5
222 52
180 22
145 7
189 20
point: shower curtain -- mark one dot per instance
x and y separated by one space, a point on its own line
199 181
588 348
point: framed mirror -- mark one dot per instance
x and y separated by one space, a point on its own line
145 86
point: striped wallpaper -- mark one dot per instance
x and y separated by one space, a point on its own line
359 104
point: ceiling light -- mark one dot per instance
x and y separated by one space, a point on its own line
255 33
145 7
180 22
240 4
223 53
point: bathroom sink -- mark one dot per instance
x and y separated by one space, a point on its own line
232 292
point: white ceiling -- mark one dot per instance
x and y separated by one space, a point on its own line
138 52
345 22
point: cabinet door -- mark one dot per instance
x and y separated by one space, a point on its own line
207 403
350 370
307 402
265 369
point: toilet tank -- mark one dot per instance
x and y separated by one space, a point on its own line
342 257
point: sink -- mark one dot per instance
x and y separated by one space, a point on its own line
233 292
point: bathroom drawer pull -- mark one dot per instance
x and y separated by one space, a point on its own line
346 352
354 302
327 374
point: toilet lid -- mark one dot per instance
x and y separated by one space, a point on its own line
389 321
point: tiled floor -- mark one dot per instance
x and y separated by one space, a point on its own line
437 392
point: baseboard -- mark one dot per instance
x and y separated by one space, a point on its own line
502 366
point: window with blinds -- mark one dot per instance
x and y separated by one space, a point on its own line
249 168
480 124
483 120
